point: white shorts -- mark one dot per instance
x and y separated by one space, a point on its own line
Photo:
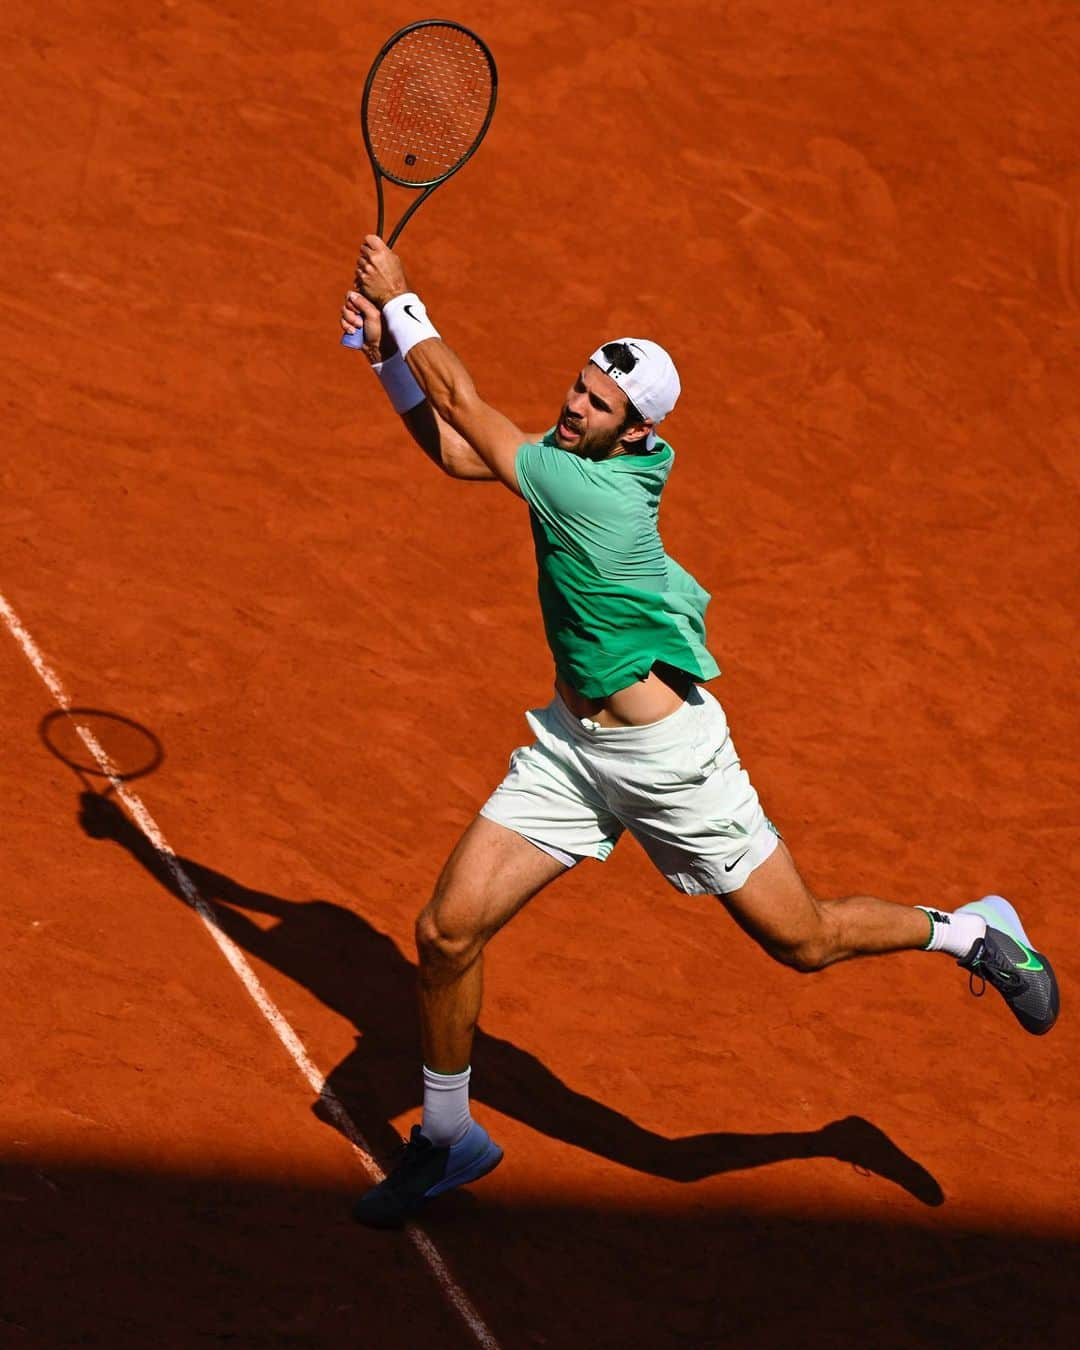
676 785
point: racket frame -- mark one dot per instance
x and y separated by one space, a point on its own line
356 340
429 184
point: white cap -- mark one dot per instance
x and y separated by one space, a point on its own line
651 383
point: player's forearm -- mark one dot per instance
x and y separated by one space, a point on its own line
422 426
442 376
487 438
439 372
443 446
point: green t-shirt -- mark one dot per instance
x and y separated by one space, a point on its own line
613 602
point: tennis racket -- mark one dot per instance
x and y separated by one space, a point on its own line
428 102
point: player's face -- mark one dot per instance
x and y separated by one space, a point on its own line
592 422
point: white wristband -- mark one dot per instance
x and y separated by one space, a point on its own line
407 320
400 383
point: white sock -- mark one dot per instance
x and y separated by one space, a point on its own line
953 933
446 1117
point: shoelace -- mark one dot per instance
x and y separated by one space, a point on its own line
993 966
411 1149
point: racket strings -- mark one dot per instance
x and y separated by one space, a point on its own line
428 104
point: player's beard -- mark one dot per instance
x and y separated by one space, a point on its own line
589 446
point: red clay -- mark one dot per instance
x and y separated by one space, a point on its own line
856 227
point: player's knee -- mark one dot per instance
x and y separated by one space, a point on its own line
442 946
804 955
811 947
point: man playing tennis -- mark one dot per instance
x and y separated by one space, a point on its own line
631 741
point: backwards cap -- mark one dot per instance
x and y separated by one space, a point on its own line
652 382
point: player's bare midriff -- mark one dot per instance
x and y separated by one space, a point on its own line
662 692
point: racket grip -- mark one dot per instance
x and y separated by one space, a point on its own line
355 340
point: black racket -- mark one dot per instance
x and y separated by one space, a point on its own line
428 101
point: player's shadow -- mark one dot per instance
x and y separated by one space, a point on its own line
360 973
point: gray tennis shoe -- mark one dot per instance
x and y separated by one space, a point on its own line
1006 959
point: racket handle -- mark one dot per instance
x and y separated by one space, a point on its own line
355 340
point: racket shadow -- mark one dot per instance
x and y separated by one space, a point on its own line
101 748
361 974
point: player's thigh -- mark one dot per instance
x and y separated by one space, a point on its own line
775 906
491 874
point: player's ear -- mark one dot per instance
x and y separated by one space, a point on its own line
637 434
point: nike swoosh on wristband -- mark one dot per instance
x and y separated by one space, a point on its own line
408 311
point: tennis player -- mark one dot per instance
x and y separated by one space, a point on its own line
630 741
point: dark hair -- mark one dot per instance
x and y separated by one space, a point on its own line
619 357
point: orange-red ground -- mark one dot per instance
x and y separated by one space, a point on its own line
857 226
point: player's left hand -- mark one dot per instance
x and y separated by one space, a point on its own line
359 313
379 273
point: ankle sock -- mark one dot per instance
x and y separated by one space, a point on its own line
446 1118
953 933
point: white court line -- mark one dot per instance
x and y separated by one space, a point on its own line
235 957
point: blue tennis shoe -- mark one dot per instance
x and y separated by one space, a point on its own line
423 1172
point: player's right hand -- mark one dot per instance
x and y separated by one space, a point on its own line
379 273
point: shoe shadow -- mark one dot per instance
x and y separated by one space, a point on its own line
360 974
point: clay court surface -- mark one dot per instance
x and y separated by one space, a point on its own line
857 227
